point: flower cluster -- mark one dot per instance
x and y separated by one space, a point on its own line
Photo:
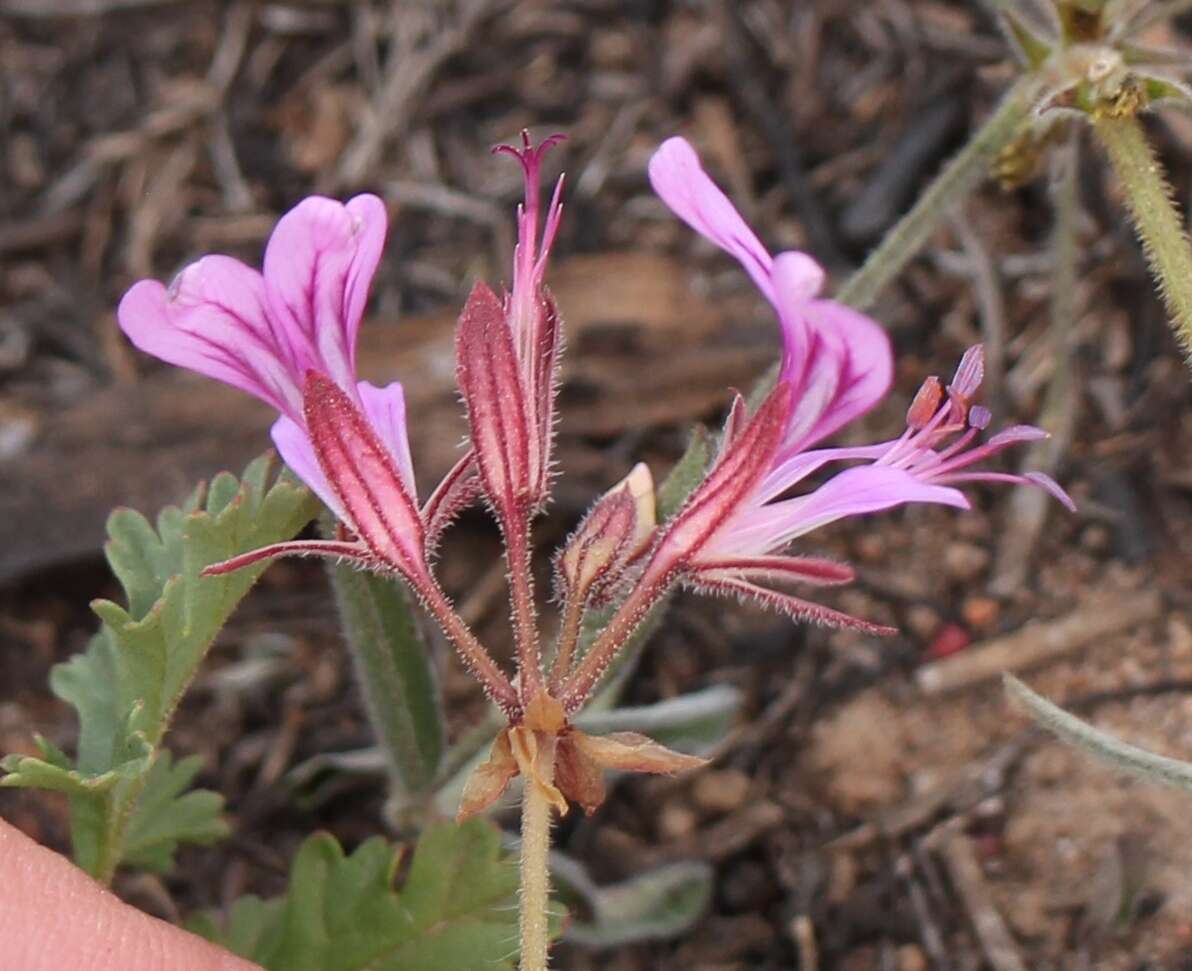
287 335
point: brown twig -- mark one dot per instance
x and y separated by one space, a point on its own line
956 850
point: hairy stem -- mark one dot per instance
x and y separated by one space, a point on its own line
1155 216
476 659
901 244
569 633
535 874
649 590
521 599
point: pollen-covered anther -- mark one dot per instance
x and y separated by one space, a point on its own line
925 404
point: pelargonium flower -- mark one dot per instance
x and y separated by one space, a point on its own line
836 365
287 335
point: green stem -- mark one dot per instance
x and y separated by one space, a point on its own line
1155 216
901 244
535 874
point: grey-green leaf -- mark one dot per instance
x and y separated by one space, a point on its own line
654 905
1101 745
395 672
167 814
127 684
687 473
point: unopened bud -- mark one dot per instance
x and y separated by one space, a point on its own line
616 530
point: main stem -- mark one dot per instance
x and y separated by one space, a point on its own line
1155 216
535 875
902 243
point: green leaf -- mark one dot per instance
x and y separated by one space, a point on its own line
1099 744
651 906
687 473
457 908
167 814
395 672
127 684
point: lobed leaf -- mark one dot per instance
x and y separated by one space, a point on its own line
456 909
127 684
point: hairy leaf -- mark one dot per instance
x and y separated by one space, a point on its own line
457 908
169 812
127 684
651 906
395 673
1101 745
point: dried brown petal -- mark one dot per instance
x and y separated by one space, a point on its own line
578 776
489 780
534 752
632 752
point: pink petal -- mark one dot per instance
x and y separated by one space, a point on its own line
319 264
791 471
214 320
798 569
1044 481
1040 479
859 348
1013 435
853 492
681 182
294 446
386 410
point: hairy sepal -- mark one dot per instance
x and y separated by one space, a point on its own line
494 396
380 509
794 607
736 474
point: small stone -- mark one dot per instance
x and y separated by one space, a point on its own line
677 821
910 957
721 792
922 621
871 548
965 562
1095 538
980 613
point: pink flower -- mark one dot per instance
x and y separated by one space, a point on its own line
836 365
288 337
264 332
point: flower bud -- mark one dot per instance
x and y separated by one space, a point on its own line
616 530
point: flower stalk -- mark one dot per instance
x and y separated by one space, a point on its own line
1156 219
